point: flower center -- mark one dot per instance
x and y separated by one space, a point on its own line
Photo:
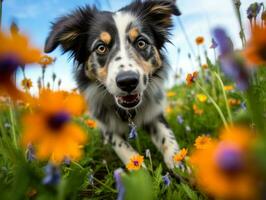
8 64
230 160
56 121
136 163
262 52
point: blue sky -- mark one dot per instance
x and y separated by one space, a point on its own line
198 18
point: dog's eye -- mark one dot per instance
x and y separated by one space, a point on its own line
101 49
141 44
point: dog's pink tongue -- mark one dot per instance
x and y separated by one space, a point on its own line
129 97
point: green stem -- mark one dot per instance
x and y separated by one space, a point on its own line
215 105
12 119
242 33
225 97
97 180
138 144
104 185
77 164
213 88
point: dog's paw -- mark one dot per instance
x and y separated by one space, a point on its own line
169 160
172 164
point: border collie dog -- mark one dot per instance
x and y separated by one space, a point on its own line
120 68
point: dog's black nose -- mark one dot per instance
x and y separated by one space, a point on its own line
127 81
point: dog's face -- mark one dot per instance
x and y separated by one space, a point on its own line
120 50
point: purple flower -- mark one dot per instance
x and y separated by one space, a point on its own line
180 119
214 44
52 175
243 106
224 43
67 161
133 133
236 69
119 185
253 10
30 153
231 64
166 179
91 179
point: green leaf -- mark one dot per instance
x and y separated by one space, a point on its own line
138 185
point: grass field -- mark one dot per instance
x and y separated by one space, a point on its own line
218 116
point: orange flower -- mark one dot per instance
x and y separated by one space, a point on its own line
256 47
26 83
199 40
191 78
197 111
203 142
234 102
50 130
91 123
135 162
180 156
14 51
18 46
169 110
263 16
223 169
46 60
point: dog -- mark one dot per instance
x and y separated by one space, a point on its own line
120 68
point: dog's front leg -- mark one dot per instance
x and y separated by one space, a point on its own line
164 139
122 148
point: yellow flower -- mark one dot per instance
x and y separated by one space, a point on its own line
203 142
171 94
51 131
204 66
223 169
256 47
91 123
199 40
191 78
180 156
229 87
26 83
202 98
135 162
197 111
46 60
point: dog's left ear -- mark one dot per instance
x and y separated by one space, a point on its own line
70 31
158 15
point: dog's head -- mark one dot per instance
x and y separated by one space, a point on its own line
120 50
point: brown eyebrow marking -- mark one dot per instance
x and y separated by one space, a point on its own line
105 37
133 34
102 73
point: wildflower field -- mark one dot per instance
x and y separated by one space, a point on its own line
50 147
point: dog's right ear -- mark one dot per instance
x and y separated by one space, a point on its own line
69 31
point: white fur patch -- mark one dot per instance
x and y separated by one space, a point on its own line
122 22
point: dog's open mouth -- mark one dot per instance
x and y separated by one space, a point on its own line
128 101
